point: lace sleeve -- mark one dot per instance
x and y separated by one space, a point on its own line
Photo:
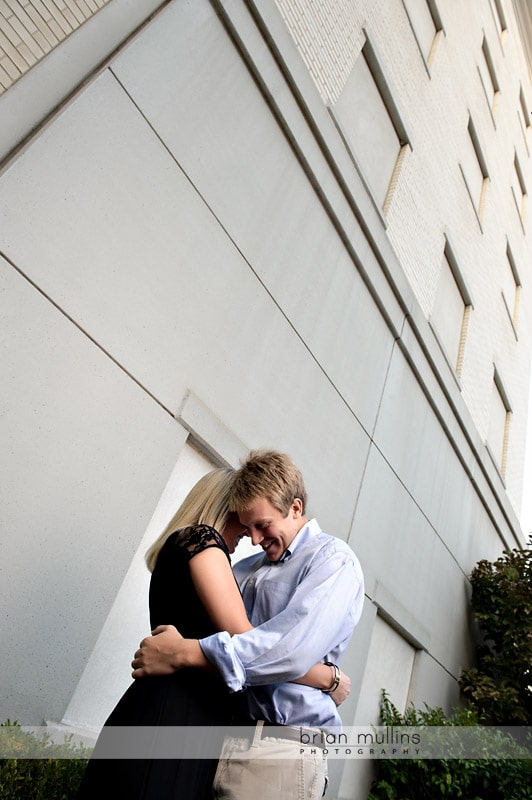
196 538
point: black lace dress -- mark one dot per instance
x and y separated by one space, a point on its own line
187 698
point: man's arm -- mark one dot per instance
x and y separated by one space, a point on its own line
166 651
320 615
316 623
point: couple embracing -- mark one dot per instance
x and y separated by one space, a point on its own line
257 646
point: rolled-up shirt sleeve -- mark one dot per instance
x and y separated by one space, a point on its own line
315 625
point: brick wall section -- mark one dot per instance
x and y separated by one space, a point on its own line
430 197
329 36
29 29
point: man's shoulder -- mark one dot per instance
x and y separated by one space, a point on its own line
326 544
330 545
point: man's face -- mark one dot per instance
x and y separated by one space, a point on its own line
267 526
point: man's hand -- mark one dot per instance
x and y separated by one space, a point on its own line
166 651
342 690
157 653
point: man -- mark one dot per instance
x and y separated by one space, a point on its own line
304 595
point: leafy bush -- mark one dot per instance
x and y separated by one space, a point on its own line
498 691
54 777
499 687
470 779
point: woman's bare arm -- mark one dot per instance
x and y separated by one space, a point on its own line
218 591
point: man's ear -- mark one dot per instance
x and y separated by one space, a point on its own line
297 508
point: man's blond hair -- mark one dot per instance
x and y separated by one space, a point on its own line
269 474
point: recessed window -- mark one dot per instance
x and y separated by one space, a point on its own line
519 189
499 423
511 288
426 24
524 112
489 80
451 311
371 127
390 662
500 20
475 171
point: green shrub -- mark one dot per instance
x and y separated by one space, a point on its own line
500 686
54 777
470 779
498 691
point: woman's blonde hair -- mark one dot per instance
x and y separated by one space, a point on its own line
207 503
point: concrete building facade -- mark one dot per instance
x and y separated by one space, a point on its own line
228 224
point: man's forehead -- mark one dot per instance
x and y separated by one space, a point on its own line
261 510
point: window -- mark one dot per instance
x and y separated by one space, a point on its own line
489 79
511 288
426 25
499 423
500 20
519 189
390 662
524 115
371 127
451 311
475 171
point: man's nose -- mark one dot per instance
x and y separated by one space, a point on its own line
256 537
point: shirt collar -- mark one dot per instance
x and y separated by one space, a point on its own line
309 529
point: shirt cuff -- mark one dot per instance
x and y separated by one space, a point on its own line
220 651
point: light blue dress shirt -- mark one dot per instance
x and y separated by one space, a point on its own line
304 609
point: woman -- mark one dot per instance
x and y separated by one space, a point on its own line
192 587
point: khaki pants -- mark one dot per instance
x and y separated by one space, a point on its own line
269 768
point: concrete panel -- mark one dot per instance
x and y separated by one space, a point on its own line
50 81
448 404
411 438
218 129
88 455
165 292
411 574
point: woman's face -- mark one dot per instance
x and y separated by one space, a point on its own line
233 532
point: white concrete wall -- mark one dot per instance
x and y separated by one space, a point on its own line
107 672
189 251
